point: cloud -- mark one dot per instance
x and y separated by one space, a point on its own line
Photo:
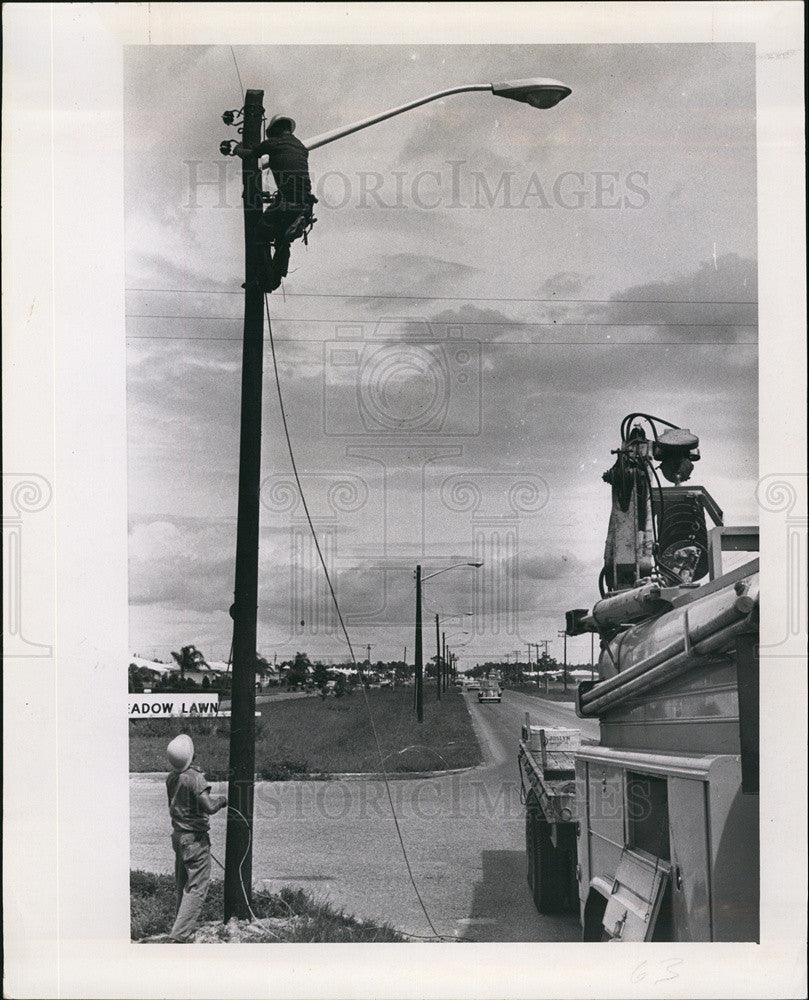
563 283
548 566
717 301
185 565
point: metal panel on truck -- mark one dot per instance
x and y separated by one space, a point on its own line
634 902
688 827
606 830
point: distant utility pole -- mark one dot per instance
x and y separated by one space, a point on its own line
419 693
438 660
544 643
563 635
241 774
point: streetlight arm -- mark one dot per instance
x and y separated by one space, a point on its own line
320 140
446 569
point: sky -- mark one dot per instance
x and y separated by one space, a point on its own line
488 290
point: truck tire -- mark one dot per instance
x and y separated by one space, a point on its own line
551 870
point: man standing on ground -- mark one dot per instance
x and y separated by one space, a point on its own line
190 806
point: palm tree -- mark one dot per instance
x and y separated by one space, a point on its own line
189 658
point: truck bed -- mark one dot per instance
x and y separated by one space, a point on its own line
554 786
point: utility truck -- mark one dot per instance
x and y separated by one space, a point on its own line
651 832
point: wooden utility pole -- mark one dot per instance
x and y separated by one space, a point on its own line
419 665
241 774
544 643
438 660
564 668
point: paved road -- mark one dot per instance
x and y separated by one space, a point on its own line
464 835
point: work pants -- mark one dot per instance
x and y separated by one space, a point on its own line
192 872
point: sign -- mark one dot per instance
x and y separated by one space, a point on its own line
566 740
162 706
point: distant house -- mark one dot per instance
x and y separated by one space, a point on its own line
153 665
210 670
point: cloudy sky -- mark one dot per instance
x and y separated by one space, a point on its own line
488 290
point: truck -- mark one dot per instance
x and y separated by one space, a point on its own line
651 831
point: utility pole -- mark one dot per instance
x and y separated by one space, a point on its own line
544 643
563 634
419 665
438 660
443 650
242 767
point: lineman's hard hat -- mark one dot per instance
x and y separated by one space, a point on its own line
281 120
180 752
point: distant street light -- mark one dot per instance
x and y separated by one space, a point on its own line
419 693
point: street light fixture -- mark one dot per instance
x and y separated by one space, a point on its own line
539 92
446 569
419 692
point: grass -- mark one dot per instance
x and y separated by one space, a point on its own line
312 736
298 917
555 692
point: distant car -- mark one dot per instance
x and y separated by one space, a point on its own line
490 694
473 686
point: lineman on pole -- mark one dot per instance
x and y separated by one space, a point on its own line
289 214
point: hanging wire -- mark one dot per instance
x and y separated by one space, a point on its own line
241 87
339 614
316 541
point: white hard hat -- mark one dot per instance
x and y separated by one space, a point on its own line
281 120
180 752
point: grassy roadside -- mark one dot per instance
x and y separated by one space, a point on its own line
554 693
291 916
311 736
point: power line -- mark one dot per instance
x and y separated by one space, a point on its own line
523 324
464 298
496 343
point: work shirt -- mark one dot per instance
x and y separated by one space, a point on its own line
184 789
289 163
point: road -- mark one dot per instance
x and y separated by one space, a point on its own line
464 835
